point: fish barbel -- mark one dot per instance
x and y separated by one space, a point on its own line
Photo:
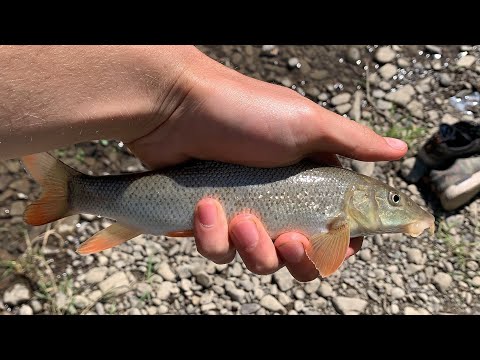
327 204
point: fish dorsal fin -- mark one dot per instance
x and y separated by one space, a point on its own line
327 250
113 235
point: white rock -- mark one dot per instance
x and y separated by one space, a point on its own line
164 270
17 294
384 55
412 311
388 71
402 96
442 281
95 275
325 290
349 306
341 99
416 109
117 283
272 304
466 61
449 119
415 256
25 310
398 293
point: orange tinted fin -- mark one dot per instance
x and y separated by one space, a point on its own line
327 251
182 233
53 176
113 235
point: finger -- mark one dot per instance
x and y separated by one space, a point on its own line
335 134
291 249
254 245
211 232
326 158
355 245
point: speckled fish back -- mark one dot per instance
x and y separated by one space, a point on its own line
298 197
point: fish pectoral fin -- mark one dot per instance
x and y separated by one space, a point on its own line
327 251
113 235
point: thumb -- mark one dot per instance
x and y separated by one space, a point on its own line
336 134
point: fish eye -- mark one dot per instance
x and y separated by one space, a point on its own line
394 198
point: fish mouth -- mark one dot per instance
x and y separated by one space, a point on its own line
418 227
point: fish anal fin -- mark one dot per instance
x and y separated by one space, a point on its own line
180 233
327 250
109 237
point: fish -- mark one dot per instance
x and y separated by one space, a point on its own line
328 204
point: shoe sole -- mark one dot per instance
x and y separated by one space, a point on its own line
457 195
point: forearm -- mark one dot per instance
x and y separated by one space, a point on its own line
53 96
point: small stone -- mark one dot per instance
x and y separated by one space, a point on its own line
325 290
235 270
294 63
377 93
18 294
349 306
384 105
472 265
283 279
95 275
164 290
378 240
445 79
312 286
20 185
341 99
397 279
442 281
208 307
134 311
95 295
353 55
415 256
298 305
165 271
319 303
449 119
402 96
143 289
433 49
384 85
17 208
300 294
398 293
61 301
234 293
466 61
388 71
68 225
270 50
343 109
25 310
249 308
319 74
412 311
362 167
117 283
395 309
476 281
411 269
99 308
36 306
365 255
384 55
80 301
284 299
416 109
270 303
204 279
403 63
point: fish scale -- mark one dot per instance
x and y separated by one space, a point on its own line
302 196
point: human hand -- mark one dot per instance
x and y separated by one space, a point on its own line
214 113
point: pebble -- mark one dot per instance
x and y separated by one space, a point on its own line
365 255
394 309
204 279
415 256
80 301
343 109
36 306
325 290
249 308
442 281
402 96
388 71
466 61
412 311
270 303
341 99
476 281
312 286
25 310
233 292
384 55
416 109
117 283
445 80
95 275
349 306
353 55
18 294
398 293
284 279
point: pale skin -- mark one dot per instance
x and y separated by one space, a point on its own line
170 104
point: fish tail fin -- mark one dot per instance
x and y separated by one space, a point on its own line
53 177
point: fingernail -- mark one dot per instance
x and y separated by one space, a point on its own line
245 234
396 143
207 214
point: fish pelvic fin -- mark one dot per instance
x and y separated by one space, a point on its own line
109 237
53 177
327 250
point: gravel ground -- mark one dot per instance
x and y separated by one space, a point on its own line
405 93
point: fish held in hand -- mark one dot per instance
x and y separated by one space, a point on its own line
327 204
